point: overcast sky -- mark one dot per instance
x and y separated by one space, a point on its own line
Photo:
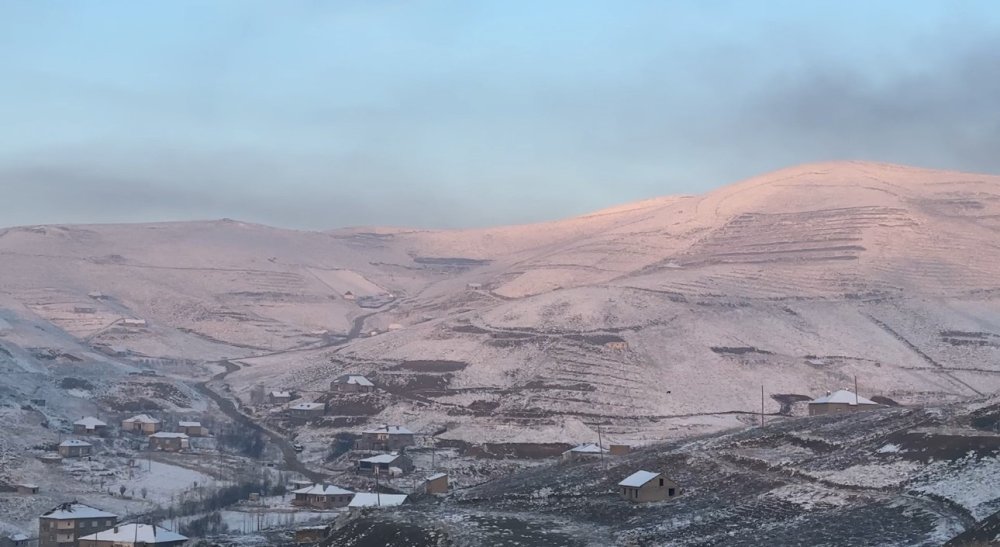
321 114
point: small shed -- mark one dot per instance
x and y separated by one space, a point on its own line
436 484
309 535
645 486
588 451
75 448
191 429
50 458
279 397
15 540
619 449
839 402
26 488
352 383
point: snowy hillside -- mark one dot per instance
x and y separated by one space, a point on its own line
658 318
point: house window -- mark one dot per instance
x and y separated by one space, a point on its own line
661 482
635 492
670 492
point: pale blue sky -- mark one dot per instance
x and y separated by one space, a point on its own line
467 113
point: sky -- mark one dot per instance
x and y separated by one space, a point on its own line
445 114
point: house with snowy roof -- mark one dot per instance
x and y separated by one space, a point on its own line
89 426
307 411
352 383
645 486
387 465
134 535
166 441
386 437
66 523
587 451
322 496
839 402
75 448
26 488
141 423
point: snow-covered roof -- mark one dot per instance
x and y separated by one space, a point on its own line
137 533
168 435
390 429
280 394
142 419
588 448
19 537
436 476
322 490
354 379
74 442
307 406
381 458
638 478
74 510
27 485
842 396
90 422
368 499
189 424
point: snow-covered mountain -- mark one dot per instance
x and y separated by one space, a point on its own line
660 317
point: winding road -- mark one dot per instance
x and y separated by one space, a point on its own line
228 406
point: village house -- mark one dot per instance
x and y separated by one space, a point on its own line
386 437
141 423
588 451
134 322
168 442
307 411
84 309
352 383
322 496
134 535
373 499
839 402
644 486
309 535
75 448
349 296
279 397
436 484
386 464
191 429
64 525
26 488
89 426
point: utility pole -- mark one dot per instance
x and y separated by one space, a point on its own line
762 406
378 496
855 391
600 445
